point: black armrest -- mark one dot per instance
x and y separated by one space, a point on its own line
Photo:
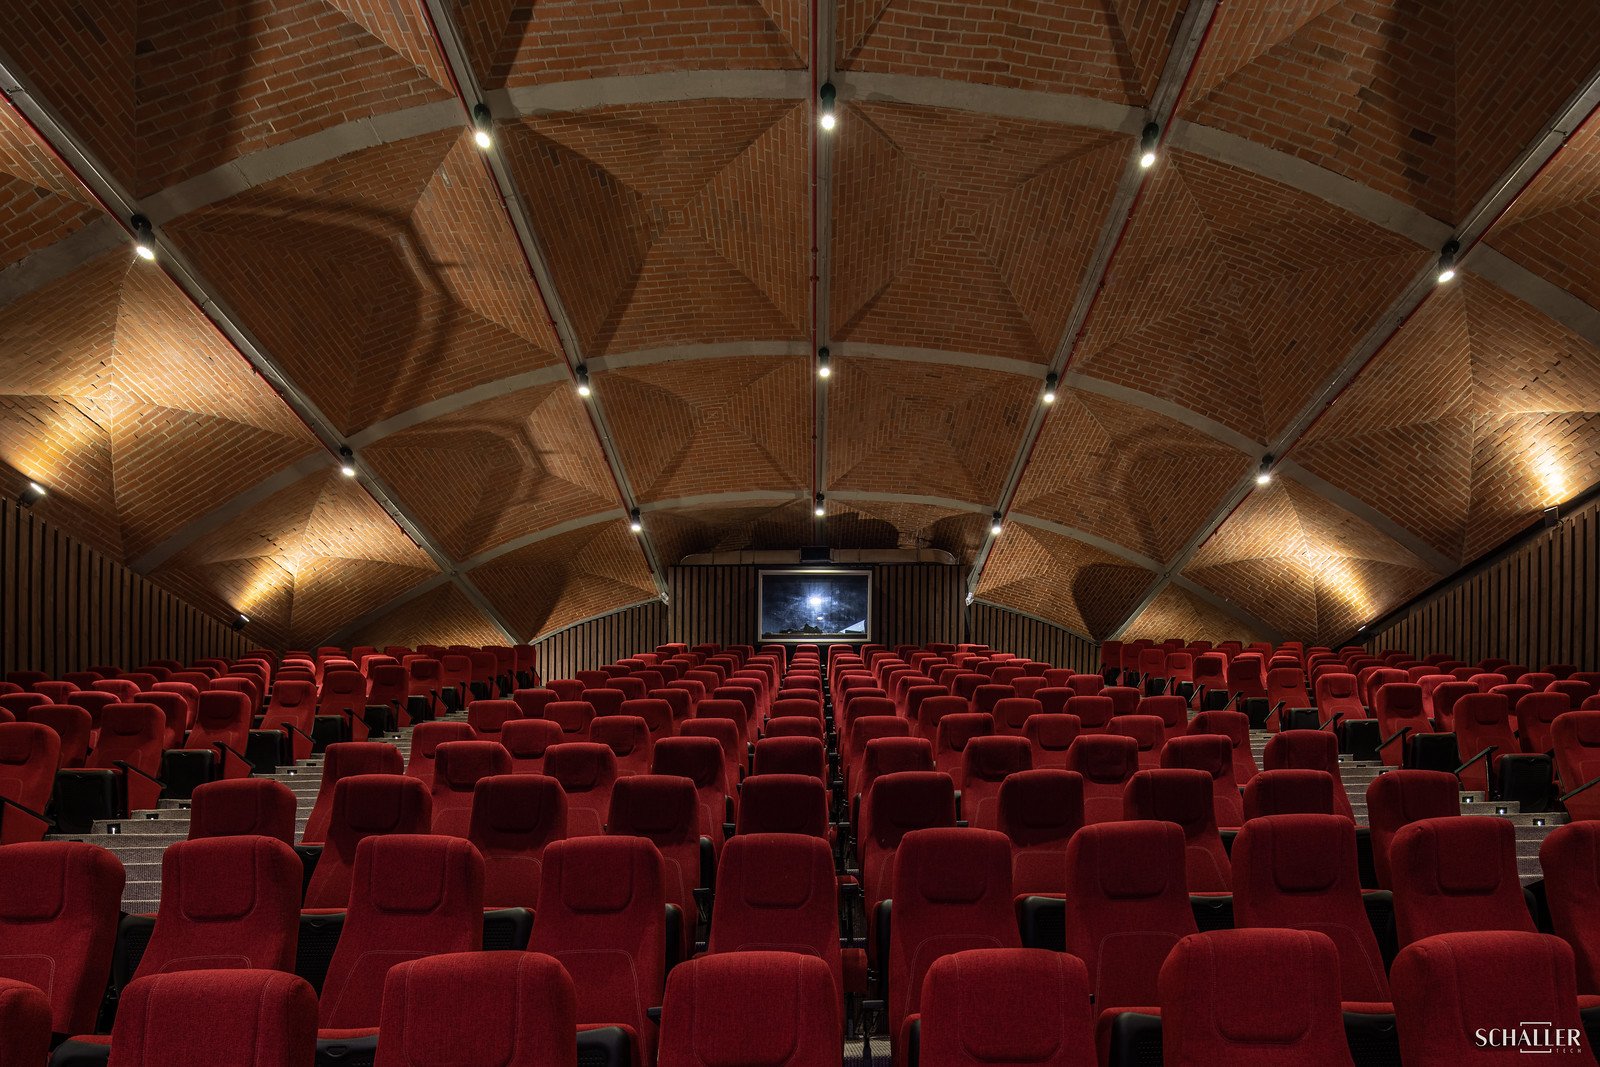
1590 784
1484 755
126 766
225 750
1396 736
293 729
1332 723
9 803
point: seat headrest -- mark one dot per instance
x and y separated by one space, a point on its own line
1211 753
414 874
521 804
580 765
1130 860
1104 758
601 875
380 803
657 806
778 871
460 764
1043 799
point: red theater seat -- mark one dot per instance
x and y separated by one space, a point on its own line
1212 1011
1040 810
412 896
252 1019
346 759
364 805
587 772
776 893
240 807
1183 796
523 1011
1024 1007
1455 874
1453 991
29 754
515 817
754 1009
458 768
1106 762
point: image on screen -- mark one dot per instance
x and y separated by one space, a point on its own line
816 605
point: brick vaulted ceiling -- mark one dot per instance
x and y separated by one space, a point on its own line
976 222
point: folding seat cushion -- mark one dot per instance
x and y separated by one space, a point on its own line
1309 750
1576 735
1212 1010
1482 722
488 717
1479 999
734 749
755 1009
1213 754
1093 713
1050 736
523 1011
364 805
1456 873
222 726
24 1025
605 700
1536 715
1300 872
1401 716
1106 762
1130 905
346 759
1147 731
412 896
526 741
241 807
1399 798
59 907
425 741
29 753
1039 811
602 917
898 804
72 725
952 892
784 804
985 764
664 809
253 1018
791 755
534 701
1183 796
1570 858
129 749
226 903
932 711
1173 711
458 768
587 772
1288 792
573 716
344 693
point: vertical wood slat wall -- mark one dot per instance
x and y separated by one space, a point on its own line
587 645
65 606
1538 605
1023 635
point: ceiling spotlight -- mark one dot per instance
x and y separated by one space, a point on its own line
1264 475
824 367
1447 261
31 494
144 240
827 116
1149 140
240 621
583 380
994 524
1049 394
347 462
482 127
819 511
634 523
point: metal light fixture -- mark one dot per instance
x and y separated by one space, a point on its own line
1447 261
144 239
1051 380
634 522
827 115
824 366
482 127
31 494
819 511
1149 140
994 524
347 462
583 380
